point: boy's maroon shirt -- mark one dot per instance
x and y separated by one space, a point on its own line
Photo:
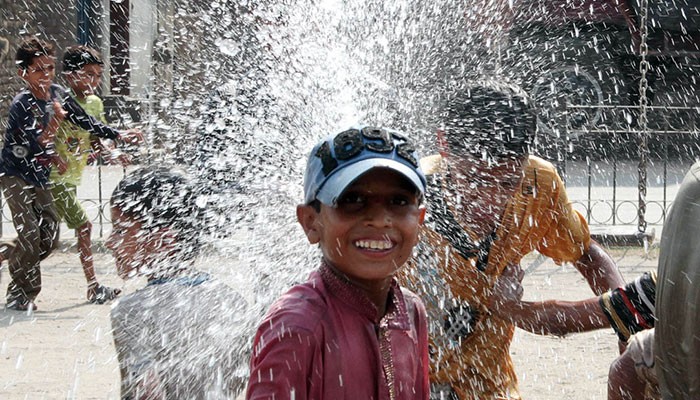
324 339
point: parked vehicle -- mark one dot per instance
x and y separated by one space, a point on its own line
580 61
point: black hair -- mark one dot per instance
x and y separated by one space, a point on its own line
161 197
489 118
316 205
31 48
76 57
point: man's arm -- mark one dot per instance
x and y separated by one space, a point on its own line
599 269
556 317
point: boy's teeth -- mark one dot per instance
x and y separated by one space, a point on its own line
373 244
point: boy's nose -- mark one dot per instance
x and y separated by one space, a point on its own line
378 214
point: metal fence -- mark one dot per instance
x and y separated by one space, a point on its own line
608 181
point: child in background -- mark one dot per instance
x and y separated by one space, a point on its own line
350 331
491 204
183 335
82 70
27 155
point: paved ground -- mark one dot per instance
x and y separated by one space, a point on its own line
65 350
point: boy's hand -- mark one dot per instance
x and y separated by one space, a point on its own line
58 112
132 136
99 294
117 157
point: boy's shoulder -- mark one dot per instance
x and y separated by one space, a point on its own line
302 306
22 97
534 162
25 95
24 104
93 98
543 175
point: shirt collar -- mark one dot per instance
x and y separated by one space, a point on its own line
396 315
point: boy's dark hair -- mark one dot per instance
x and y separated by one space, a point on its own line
160 197
489 119
31 48
76 57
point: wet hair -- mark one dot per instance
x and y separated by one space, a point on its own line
489 119
160 197
30 49
77 57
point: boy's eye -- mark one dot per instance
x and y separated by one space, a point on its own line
400 200
351 198
46 68
354 202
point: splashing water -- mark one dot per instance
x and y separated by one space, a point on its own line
265 81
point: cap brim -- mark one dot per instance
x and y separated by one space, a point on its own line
336 184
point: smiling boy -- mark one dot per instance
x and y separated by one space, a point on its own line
350 331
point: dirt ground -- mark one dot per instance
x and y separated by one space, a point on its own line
65 349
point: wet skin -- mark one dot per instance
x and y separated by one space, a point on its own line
85 81
481 188
132 246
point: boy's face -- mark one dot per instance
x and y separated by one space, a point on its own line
86 80
40 74
371 232
132 246
484 185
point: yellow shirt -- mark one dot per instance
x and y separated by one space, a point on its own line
538 217
73 143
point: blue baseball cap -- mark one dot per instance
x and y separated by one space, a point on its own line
341 158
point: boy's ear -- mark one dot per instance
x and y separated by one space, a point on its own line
21 72
421 217
307 217
441 142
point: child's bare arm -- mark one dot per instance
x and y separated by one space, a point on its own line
555 317
110 152
550 317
